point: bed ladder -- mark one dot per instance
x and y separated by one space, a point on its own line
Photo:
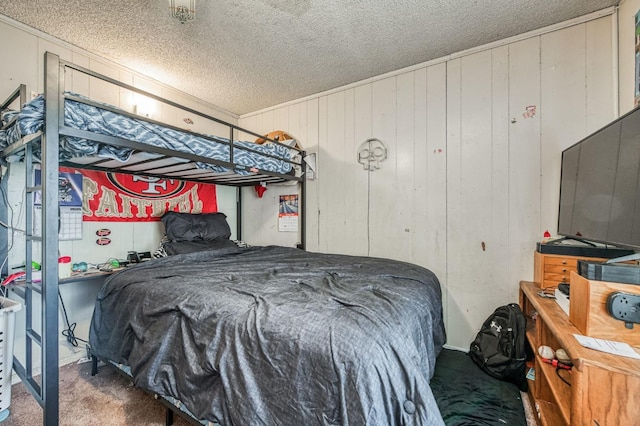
45 313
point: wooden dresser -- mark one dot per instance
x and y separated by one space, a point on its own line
603 389
549 270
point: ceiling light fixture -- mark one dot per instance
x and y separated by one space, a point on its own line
183 10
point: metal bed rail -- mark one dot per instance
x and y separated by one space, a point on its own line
45 334
33 338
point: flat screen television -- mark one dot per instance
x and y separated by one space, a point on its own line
600 185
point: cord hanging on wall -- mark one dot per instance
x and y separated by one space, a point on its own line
372 153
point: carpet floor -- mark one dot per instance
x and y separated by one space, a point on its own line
107 399
465 395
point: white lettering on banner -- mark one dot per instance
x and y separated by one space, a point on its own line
112 204
187 203
89 190
108 206
139 203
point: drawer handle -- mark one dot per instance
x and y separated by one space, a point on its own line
564 270
564 262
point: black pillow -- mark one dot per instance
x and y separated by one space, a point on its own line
183 247
196 227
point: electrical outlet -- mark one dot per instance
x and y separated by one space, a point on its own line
624 307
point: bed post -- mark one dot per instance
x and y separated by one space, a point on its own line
168 418
303 205
49 178
239 213
4 237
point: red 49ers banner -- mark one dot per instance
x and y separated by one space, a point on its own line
119 197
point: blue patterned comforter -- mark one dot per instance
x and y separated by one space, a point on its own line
94 119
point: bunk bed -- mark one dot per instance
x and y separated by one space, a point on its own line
373 327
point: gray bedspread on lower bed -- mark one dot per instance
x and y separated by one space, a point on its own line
278 336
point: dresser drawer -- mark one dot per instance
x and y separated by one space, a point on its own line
554 261
559 269
555 279
552 269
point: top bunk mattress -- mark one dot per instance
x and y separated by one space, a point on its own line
247 156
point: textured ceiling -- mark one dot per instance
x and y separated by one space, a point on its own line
244 55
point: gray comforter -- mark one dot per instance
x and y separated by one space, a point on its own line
278 336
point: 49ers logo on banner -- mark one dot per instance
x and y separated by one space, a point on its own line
119 197
145 187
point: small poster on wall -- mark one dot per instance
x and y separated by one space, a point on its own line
70 205
288 213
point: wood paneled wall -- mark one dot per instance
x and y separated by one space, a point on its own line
472 176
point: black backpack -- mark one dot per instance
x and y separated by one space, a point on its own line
499 347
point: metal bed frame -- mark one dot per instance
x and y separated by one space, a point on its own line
183 167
